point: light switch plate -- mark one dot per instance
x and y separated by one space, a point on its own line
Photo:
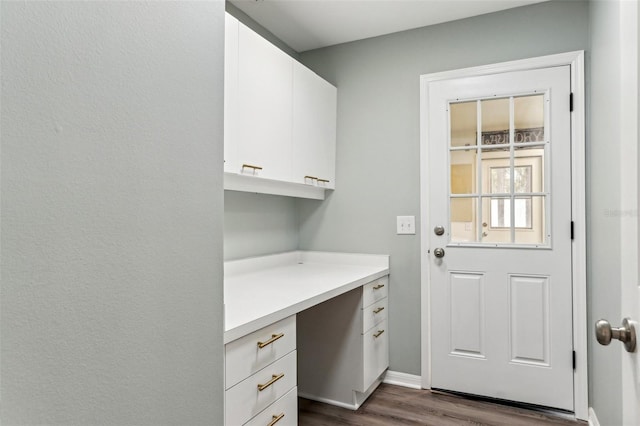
406 225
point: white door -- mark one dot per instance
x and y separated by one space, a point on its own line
499 172
630 223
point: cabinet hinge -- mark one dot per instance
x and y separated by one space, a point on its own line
571 102
574 359
572 230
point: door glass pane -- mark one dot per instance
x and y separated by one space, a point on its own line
528 118
464 123
530 214
500 179
533 158
490 159
521 179
496 220
500 212
495 121
463 172
463 214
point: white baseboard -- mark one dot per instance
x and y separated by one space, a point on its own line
358 397
403 379
593 419
328 401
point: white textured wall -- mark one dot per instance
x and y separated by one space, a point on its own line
111 225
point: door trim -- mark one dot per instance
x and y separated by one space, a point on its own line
578 208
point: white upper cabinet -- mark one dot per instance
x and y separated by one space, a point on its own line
264 108
280 120
230 93
314 128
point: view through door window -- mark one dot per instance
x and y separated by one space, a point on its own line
498 155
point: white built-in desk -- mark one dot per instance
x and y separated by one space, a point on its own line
287 316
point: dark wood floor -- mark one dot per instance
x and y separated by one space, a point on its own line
395 405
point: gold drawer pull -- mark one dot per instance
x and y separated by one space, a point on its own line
274 378
378 334
274 337
249 166
324 180
275 419
380 309
378 287
311 177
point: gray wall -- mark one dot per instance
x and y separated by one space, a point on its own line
258 224
111 185
251 23
378 174
603 203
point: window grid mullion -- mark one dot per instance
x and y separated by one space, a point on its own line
512 183
479 205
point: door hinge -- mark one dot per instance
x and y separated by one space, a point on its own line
574 359
571 102
572 234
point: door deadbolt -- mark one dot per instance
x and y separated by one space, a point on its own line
439 252
626 334
438 230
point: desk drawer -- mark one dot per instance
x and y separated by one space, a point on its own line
374 291
243 356
245 400
375 347
374 314
283 412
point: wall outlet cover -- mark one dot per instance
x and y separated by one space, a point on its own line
406 225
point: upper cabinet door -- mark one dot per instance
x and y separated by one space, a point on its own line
314 128
230 94
264 108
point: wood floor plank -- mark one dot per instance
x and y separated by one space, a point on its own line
396 405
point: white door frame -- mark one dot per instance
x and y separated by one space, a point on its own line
578 208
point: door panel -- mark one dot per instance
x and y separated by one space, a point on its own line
501 297
529 319
467 314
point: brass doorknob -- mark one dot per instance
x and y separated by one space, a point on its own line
626 334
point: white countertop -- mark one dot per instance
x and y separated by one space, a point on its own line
262 290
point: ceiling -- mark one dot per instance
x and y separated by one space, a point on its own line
311 24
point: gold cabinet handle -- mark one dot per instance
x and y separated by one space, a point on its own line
380 309
274 378
311 177
274 337
378 287
324 180
378 334
249 166
275 419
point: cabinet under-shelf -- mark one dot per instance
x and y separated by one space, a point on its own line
248 183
